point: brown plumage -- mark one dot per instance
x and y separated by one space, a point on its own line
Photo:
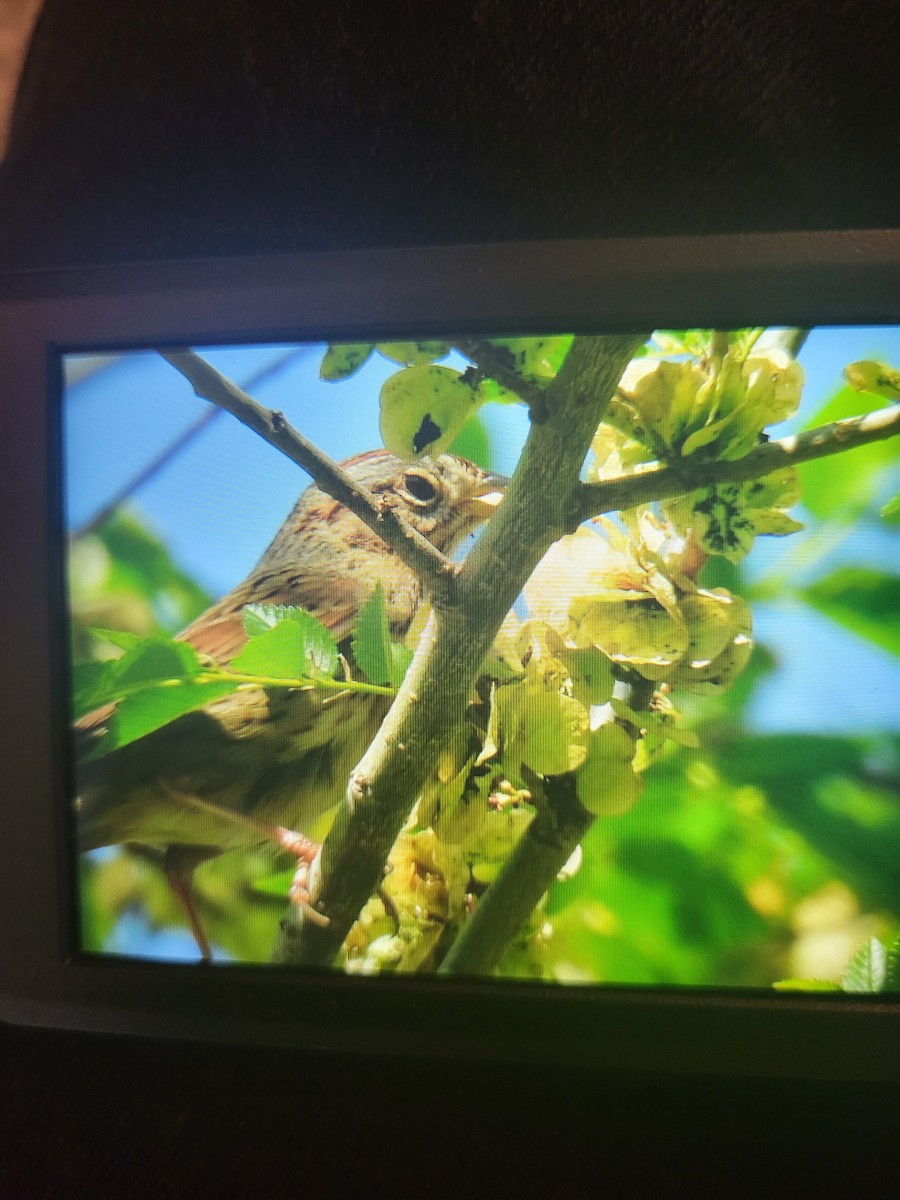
279 757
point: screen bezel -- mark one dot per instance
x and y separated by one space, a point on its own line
784 279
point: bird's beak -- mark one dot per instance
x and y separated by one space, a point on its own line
486 496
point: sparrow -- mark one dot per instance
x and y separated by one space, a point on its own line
262 763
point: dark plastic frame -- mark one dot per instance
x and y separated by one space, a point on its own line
725 282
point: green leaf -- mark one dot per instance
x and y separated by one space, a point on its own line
863 600
139 714
891 510
382 661
118 637
260 618
153 683
413 354
371 640
92 686
536 359
343 360
806 985
892 976
292 644
472 443
156 658
867 969
489 390
423 409
874 377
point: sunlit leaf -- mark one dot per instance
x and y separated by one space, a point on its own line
806 985
423 409
382 661
344 359
892 976
298 646
118 637
867 969
874 377
413 354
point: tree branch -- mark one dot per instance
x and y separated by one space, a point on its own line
172 450
436 572
438 686
664 482
540 854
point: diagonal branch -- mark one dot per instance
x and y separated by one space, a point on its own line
432 700
436 572
171 451
664 482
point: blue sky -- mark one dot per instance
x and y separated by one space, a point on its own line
218 503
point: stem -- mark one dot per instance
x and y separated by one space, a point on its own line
435 571
663 482
235 677
432 700
540 854
168 453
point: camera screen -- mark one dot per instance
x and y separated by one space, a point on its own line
651 738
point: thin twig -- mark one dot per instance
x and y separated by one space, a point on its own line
433 569
664 482
169 452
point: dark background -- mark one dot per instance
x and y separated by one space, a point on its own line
161 130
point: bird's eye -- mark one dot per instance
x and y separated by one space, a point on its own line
420 488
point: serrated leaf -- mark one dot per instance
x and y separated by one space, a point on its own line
260 618
371 640
867 969
344 359
805 985
892 976
863 600
296 647
383 661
